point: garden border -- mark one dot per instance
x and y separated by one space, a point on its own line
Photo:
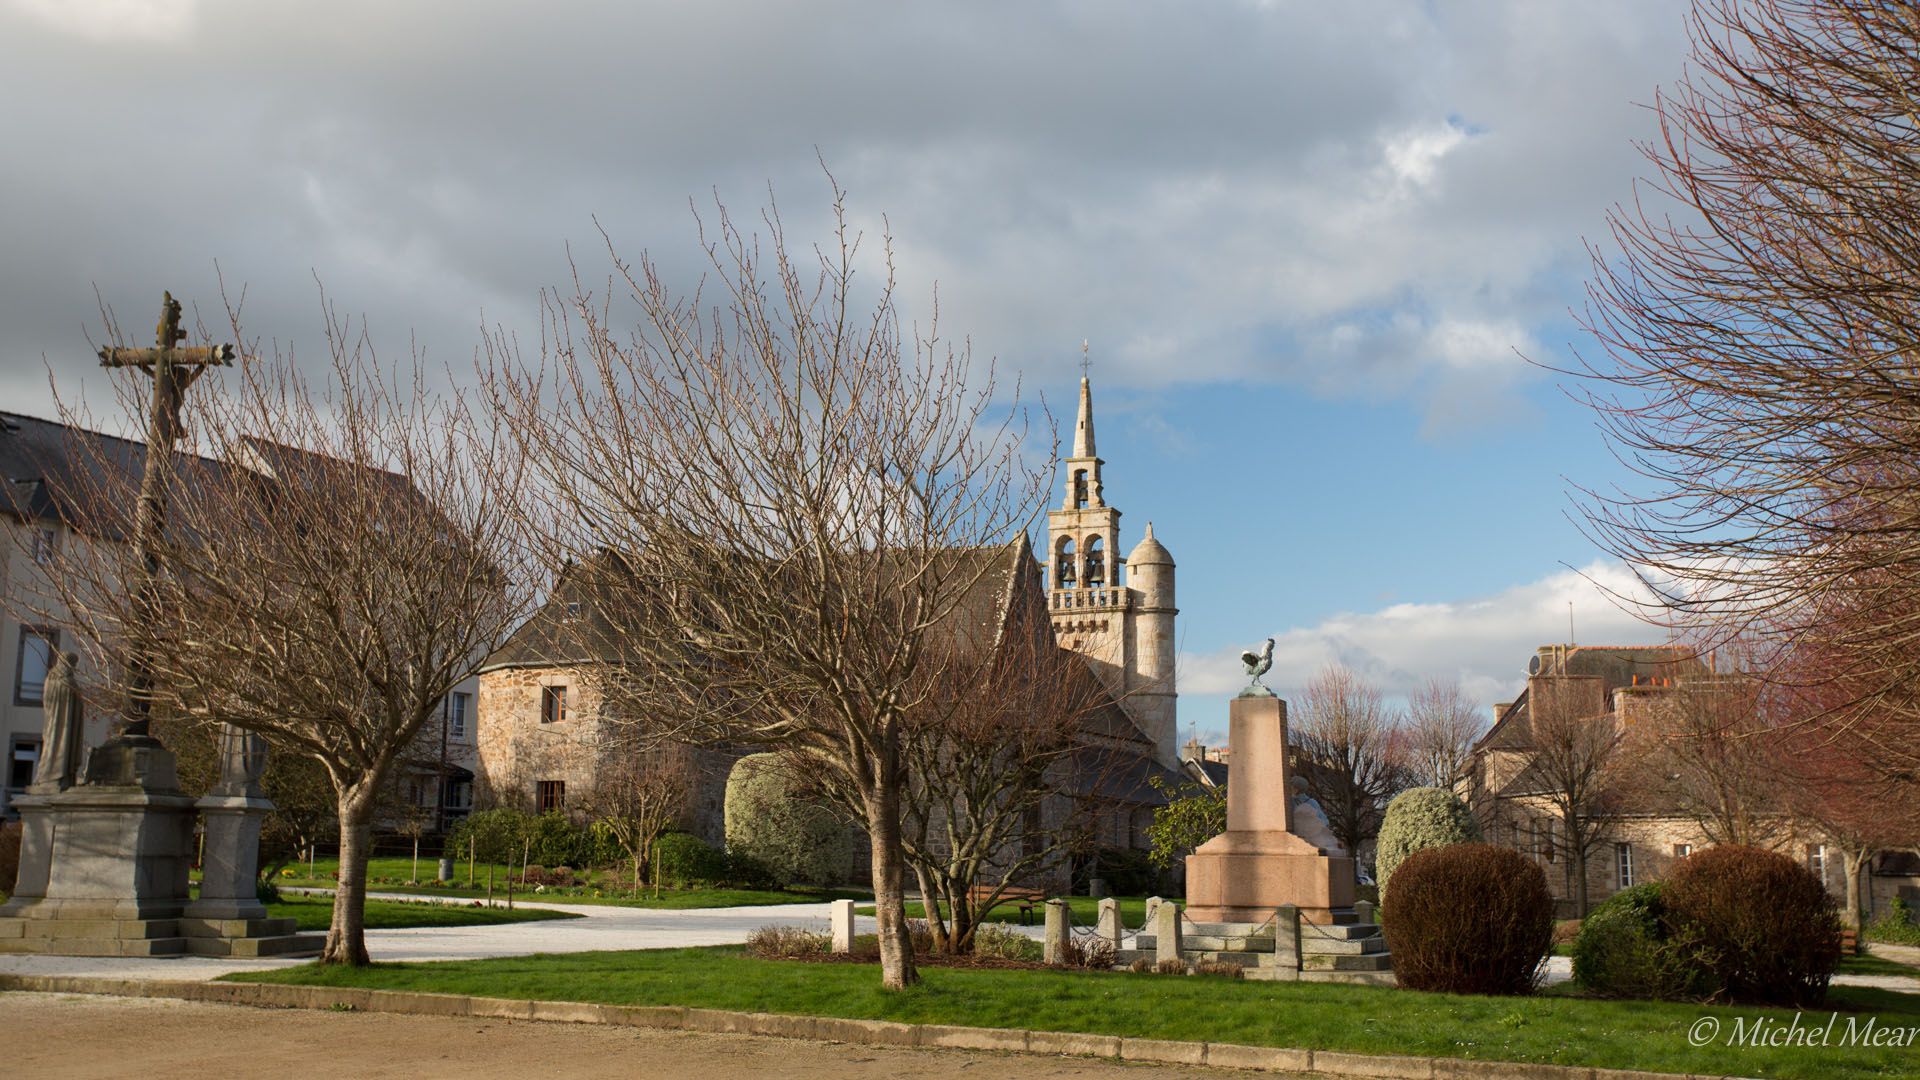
829 1029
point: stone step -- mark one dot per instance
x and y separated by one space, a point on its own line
279 945
1309 947
238 928
1228 929
1336 962
1359 978
100 929
1338 931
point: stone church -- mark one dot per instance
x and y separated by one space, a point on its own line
541 740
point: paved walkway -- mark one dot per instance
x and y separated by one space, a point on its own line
602 927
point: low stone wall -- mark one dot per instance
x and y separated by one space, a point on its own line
824 1028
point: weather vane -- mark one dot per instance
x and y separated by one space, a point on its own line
1086 361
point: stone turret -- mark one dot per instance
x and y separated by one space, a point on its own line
1151 698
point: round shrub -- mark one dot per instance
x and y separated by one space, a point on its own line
686 861
1624 949
1417 819
1765 929
772 821
1468 919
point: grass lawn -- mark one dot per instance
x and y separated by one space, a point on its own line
315 912
1550 1028
1086 911
390 874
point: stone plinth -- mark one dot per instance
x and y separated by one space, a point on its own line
1248 872
230 869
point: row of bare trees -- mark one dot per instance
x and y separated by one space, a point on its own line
1355 752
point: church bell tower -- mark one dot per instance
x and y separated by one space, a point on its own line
1122 623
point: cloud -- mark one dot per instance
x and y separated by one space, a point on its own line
113 20
1483 642
1208 192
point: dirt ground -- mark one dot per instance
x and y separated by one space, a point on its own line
49 1036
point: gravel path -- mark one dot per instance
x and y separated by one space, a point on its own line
86 1036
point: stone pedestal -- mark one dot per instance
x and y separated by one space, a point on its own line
104 865
842 919
1246 873
230 867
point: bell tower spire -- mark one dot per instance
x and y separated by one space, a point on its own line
1083 429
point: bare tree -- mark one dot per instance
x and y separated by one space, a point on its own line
1442 725
780 502
1005 763
335 563
1759 315
1577 769
638 794
1349 743
1707 749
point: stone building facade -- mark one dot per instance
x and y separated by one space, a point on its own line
1643 834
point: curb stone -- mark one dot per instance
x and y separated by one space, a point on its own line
861 1032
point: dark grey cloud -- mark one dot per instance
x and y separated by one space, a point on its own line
1357 197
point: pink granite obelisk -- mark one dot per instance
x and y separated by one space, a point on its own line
1258 864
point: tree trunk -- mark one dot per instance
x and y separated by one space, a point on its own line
930 898
1856 911
347 934
897 971
414 877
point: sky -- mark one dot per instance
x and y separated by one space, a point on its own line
1325 255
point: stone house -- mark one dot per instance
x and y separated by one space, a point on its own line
1644 831
45 466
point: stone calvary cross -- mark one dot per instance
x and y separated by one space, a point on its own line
173 370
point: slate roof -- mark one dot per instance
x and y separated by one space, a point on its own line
56 472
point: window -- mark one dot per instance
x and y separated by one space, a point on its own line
553 704
459 794
43 545
20 762
1623 863
552 793
1681 851
1817 861
37 646
1550 844
457 716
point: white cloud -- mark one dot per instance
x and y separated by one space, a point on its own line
1483 642
113 20
1413 157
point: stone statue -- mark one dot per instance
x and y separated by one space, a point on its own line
1258 664
1310 821
61 731
243 761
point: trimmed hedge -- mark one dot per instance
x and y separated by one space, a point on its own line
774 823
1418 819
1763 927
1468 919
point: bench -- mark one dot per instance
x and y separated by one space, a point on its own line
1027 899
1849 942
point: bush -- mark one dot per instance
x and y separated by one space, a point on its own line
1417 819
1764 928
787 943
1895 925
1087 953
688 862
1223 969
1468 919
1626 948
1002 942
553 840
772 820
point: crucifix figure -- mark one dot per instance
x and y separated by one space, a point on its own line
173 369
